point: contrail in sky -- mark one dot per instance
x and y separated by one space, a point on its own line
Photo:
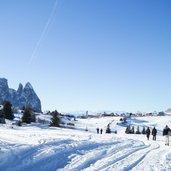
44 32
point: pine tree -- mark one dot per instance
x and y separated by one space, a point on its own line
27 117
2 117
127 131
143 131
138 130
55 120
132 130
108 130
7 110
2 114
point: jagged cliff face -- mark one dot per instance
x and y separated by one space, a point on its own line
22 97
4 89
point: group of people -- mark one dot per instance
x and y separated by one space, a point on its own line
99 130
166 132
153 132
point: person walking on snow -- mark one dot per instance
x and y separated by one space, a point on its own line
148 133
97 130
101 131
166 134
154 132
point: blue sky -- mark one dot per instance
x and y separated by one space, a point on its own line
89 54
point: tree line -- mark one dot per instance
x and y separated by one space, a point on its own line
28 115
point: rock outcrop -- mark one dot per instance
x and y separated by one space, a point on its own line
20 98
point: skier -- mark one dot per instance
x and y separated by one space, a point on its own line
148 133
154 132
166 134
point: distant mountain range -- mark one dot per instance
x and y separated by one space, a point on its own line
22 97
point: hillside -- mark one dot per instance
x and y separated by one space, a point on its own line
39 148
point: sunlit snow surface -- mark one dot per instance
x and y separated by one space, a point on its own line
39 148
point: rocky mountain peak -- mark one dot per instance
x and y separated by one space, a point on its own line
22 97
20 89
28 86
3 83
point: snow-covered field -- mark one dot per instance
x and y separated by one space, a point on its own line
39 148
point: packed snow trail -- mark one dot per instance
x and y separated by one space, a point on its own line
33 148
72 155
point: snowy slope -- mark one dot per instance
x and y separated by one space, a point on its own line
39 148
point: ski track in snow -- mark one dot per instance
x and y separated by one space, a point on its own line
84 155
75 150
46 153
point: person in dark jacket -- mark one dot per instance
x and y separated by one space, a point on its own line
148 133
166 134
154 133
101 131
97 130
